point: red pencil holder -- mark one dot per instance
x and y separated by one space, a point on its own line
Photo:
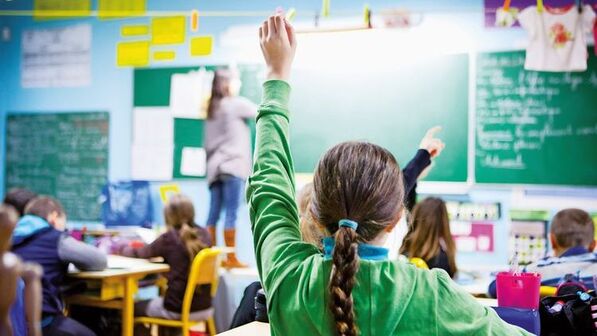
519 290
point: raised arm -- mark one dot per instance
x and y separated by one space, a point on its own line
420 165
271 187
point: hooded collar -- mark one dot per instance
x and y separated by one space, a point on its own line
365 251
27 226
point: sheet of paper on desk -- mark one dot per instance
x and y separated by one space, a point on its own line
118 262
146 235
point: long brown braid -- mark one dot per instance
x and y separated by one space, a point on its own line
361 182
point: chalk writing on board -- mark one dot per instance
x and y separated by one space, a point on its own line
64 155
518 112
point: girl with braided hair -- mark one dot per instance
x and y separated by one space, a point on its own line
352 288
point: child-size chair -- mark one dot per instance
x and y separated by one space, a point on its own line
204 271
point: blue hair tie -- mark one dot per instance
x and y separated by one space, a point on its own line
348 223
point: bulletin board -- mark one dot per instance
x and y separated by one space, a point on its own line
152 89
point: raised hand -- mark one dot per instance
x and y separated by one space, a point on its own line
432 144
278 44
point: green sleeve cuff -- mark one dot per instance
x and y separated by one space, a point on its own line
276 94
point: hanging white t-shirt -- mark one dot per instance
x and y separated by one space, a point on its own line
557 38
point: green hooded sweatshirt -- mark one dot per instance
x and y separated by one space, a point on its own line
391 297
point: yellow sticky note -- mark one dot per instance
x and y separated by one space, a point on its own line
201 46
111 9
134 30
61 9
132 53
168 190
165 55
168 30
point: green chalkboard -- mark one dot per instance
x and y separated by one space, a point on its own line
64 155
534 127
391 106
187 133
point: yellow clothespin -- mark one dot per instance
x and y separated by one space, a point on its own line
367 16
506 5
325 8
194 20
290 14
540 6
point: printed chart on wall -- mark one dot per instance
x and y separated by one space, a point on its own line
56 57
64 155
534 127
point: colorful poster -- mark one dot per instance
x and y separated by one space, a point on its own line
56 57
473 236
493 7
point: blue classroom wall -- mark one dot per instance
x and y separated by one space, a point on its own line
111 88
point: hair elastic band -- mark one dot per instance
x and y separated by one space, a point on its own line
348 223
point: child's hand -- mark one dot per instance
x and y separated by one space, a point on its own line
278 44
432 144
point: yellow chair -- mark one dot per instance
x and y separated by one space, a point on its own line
547 291
420 263
204 271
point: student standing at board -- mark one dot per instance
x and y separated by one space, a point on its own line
358 193
228 146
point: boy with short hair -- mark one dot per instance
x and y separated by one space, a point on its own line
572 237
39 237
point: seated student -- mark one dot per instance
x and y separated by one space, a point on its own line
358 195
39 237
19 198
10 324
429 236
25 313
178 246
572 239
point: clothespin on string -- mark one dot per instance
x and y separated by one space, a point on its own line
367 16
540 6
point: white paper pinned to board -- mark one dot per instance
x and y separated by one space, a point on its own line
153 126
193 161
190 93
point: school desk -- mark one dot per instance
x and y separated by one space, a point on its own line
116 286
251 329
